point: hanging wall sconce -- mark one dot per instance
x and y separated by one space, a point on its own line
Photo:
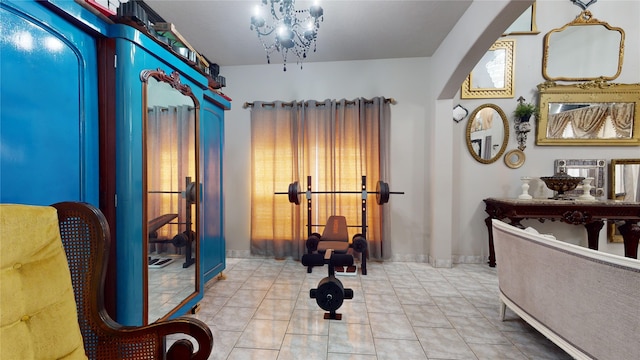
523 113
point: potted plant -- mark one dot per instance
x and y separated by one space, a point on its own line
524 111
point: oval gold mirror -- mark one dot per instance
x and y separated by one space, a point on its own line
584 49
487 133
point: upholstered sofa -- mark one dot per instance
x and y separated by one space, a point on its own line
585 301
52 271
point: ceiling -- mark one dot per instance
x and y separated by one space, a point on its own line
351 30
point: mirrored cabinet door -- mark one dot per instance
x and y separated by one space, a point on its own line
167 146
172 193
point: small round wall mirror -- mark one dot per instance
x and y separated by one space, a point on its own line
514 158
487 133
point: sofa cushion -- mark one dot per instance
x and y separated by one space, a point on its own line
38 319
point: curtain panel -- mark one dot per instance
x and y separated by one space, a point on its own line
171 145
589 122
335 142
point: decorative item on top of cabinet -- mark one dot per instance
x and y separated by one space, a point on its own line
492 77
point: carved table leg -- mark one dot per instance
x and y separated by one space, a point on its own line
492 252
593 232
630 232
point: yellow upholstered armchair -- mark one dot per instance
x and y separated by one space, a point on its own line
52 270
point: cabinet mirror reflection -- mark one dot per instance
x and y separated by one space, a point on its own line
171 194
487 133
624 185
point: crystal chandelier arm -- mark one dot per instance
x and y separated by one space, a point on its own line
289 30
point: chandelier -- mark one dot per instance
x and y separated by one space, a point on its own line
289 30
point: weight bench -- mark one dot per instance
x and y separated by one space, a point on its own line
335 237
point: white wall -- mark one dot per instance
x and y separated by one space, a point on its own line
421 156
496 180
403 80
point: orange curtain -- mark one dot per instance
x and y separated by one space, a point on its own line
334 142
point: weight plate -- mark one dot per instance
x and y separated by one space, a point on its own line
294 190
330 294
360 244
191 193
382 193
180 240
312 243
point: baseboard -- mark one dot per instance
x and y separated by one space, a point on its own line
440 263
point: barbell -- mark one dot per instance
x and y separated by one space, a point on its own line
382 193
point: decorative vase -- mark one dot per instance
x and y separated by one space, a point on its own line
525 118
586 189
525 188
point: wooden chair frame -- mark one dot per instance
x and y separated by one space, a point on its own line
85 235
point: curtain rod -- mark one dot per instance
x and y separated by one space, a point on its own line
392 101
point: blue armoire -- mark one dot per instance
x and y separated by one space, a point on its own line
103 113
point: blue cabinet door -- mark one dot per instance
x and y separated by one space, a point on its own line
48 108
212 249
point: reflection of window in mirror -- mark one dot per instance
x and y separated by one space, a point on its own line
489 73
492 77
484 120
525 24
590 120
627 182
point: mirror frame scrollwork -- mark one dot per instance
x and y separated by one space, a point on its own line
505 139
593 92
584 19
194 192
173 80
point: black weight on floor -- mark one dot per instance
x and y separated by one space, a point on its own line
329 295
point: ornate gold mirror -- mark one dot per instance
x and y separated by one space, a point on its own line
514 158
593 113
171 193
492 77
487 133
624 185
584 49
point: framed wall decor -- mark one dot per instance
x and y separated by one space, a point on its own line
591 113
525 24
582 50
587 168
492 77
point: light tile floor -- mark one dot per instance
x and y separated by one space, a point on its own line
262 310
